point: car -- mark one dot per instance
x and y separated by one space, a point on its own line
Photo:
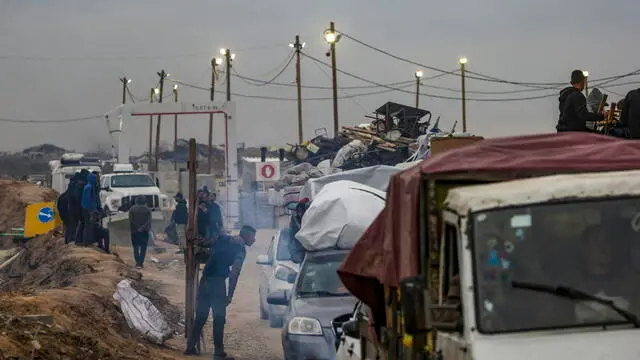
279 273
349 345
315 300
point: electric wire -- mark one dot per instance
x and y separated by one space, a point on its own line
274 78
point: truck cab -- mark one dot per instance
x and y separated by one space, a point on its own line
120 188
547 269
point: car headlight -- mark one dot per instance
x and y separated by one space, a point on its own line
304 326
283 272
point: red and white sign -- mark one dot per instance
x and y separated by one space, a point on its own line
267 171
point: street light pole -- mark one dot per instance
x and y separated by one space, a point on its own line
297 45
332 38
163 75
125 83
175 129
463 62
153 93
419 74
214 75
228 57
586 82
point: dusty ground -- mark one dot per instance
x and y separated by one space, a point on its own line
75 285
247 337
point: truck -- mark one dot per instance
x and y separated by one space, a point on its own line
70 163
478 253
118 192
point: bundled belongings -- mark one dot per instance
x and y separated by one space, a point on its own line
339 215
375 176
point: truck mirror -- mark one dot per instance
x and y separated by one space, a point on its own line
412 304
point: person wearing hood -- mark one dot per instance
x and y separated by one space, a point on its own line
630 113
90 210
78 211
140 221
63 205
180 217
216 224
574 115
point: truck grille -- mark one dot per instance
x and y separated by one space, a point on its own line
153 202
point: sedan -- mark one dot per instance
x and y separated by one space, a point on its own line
279 273
317 297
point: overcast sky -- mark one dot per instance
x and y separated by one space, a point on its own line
62 59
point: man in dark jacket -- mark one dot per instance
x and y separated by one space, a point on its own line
76 185
574 115
64 210
90 211
179 218
226 260
630 113
140 222
215 216
296 249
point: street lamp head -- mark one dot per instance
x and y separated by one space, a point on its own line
291 45
128 81
223 51
156 91
175 87
419 73
585 73
463 60
303 44
233 56
331 37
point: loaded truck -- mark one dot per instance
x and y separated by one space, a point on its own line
509 248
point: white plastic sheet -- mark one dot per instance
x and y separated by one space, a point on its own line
141 314
375 176
339 214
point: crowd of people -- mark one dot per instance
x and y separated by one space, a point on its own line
81 212
576 116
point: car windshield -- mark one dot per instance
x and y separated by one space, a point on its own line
283 253
125 181
319 276
591 247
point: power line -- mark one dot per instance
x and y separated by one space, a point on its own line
478 76
274 78
60 121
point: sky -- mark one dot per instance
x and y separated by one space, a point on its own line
63 59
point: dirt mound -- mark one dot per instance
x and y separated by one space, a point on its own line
14 198
75 286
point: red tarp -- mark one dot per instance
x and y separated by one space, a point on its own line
389 250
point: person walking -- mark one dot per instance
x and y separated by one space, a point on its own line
226 260
90 211
216 224
179 219
140 221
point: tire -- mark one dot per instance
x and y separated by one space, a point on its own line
264 315
275 322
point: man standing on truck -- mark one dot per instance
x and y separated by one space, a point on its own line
574 115
140 222
630 113
227 256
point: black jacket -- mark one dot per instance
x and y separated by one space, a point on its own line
203 223
63 207
574 114
181 213
630 116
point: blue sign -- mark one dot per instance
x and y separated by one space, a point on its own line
45 215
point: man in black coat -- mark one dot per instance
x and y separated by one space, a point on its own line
630 113
574 115
63 206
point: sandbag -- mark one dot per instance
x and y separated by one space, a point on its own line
339 214
141 314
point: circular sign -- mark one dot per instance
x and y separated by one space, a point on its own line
268 171
45 215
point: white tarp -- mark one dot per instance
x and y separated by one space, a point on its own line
339 215
376 177
141 314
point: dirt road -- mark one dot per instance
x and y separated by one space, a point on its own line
246 336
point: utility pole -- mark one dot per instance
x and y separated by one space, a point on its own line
463 62
175 129
151 95
192 234
298 48
332 38
419 74
163 75
125 83
214 76
228 57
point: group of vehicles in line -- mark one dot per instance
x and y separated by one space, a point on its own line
509 248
